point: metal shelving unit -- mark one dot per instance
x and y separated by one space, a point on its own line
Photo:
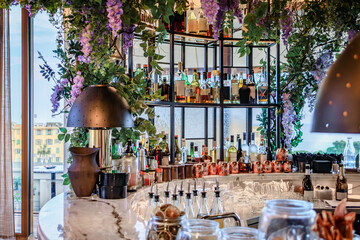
218 45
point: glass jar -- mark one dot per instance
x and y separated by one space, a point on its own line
163 228
199 229
241 233
286 219
130 165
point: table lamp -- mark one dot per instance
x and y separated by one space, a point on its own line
100 108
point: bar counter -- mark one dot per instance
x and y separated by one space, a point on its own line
68 217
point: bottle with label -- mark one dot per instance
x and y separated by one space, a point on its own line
241 80
202 24
180 85
234 88
210 85
192 151
253 149
267 166
262 90
245 148
195 88
226 88
187 86
191 20
204 89
282 153
308 189
178 158
232 152
216 86
341 184
349 154
239 151
244 92
165 89
138 70
197 155
206 158
166 152
213 153
252 87
262 150
130 164
184 151
226 148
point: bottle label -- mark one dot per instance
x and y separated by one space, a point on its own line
180 87
192 91
263 158
203 26
192 26
341 195
252 92
204 92
234 89
263 93
232 156
308 195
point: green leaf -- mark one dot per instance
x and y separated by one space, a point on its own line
67 137
63 130
61 137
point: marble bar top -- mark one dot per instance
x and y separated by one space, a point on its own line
68 217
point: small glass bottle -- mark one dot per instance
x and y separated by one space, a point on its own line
213 153
195 199
262 90
217 206
349 154
167 194
232 151
252 88
234 88
191 20
181 198
156 198
130 164
175 201
184 151
341 184
202 24
307 187
253 149
180 85
178 157
203 210
150 207
189 211
206 158
244 93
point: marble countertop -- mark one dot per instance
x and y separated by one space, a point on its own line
68 217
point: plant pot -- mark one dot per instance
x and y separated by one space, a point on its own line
83 172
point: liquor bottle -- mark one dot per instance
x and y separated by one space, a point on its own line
174 198
210 85
177 151
267 166
192 151
244 93
234 88
149 89
192 20
203 210
262 90
197 155
349 155
189 211
308 189
142 157
150 206
184 151
206 158
232 152
181 198
195 200
167 194
281 153
213 153
217 206
158 155
165 89
129 163
262 150
253 149
245 148
166 152
216 86
180 85
202 24
226 88
241 80
239 151
188 90
195 88
226 148
341 184
205 90
252 87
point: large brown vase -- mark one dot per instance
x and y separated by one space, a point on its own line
83 172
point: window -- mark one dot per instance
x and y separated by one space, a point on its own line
49 141
48 131
57 159
38 132
18 142
38 160
57 150
57 141
17 151
38 142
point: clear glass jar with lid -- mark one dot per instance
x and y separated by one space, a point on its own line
199 229
239 233
286 219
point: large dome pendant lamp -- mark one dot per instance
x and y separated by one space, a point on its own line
337 107
100 108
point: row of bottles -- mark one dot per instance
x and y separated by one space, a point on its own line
205 87
191 202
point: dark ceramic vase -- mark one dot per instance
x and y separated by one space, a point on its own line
83 172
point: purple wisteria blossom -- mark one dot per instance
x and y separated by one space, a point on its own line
286 25
114 15
56 95
210 8
288 119
128 37
76 87
322 63
28 8
84 40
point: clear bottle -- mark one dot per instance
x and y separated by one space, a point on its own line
262 150
217 207
130 164
175 201
150 206
262 90
202 24
184 151
213 153
195 200
241 80
191 20
234 88
253 149
245 147
226 147
349 154
232 152
156 199
178 157
307 187
203 210
180 84
189 211
216 86
181 198
188 90
341 184
165 151
206 158
138 69
167 194
204 91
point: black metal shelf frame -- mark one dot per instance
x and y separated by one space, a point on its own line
218 55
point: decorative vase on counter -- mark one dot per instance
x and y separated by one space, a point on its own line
84 171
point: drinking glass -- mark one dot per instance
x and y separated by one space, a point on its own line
199 229
286 219
239 233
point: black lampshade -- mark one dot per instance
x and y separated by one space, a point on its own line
337 107
100 106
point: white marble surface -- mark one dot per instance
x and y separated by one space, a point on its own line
68 217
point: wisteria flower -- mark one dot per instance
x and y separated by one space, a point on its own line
76 87
56 95
128 37
286 25
84 39
114 15
288 118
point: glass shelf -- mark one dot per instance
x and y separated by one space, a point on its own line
206 105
